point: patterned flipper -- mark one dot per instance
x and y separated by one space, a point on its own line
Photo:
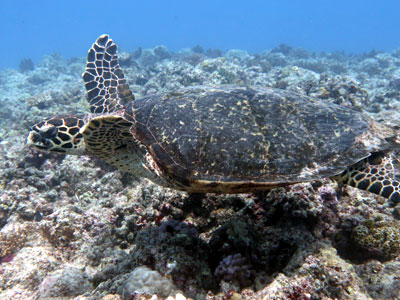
106 86
378 174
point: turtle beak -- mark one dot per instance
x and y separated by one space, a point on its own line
41 139
37 140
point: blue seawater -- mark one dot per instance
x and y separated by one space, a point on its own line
31 29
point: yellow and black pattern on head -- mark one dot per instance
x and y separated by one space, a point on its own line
107 90
58 134
378 174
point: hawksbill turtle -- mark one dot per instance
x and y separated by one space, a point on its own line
221 138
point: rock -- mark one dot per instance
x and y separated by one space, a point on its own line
68 282
144 280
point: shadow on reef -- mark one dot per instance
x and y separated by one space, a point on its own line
231 244
36 158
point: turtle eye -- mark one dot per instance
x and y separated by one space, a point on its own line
49 133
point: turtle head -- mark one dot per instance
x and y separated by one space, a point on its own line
59 134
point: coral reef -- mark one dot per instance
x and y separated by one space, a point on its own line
25 65
75 228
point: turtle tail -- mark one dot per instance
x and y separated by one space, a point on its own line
379 174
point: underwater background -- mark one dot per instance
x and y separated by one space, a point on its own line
75 228
31 29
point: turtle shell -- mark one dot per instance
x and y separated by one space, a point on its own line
236 139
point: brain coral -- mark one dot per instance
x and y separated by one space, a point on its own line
145 280
378 238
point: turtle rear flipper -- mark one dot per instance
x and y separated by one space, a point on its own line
378 174
106 86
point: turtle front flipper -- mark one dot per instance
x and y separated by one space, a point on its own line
107 90
378 174
109 137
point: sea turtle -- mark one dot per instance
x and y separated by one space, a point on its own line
221 138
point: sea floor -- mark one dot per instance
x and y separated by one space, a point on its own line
74 228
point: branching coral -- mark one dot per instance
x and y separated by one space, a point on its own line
235 268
